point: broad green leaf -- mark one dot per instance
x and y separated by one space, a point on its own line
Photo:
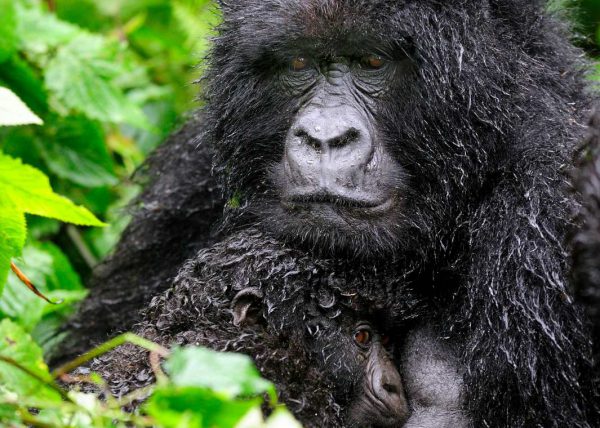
232 375
175 407
78 153
81 78
29 190
51 272
12 236
40 31
13 111
18 346
8 26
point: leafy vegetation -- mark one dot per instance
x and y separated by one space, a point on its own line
87 90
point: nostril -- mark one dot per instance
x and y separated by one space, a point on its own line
390 388
300 133
347 138
307 139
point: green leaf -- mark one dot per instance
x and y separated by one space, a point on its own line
30 191
175 407
78 153
232 375
81 78
12 236
13 111
18 346
8 26
40 31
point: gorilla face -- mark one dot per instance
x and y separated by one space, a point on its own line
335 173
355 357
353 125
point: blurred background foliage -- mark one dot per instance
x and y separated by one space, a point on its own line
110 79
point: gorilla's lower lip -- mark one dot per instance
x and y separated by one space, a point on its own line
338 201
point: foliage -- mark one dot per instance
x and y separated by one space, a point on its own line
87 89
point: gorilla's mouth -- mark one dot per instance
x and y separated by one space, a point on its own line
350 202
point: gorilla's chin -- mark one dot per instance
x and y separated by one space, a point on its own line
364 230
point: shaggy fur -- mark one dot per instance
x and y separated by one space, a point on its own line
586 243
305 303
180 192
483 129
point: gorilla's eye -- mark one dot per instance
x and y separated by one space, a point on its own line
372 62
299 63
363 336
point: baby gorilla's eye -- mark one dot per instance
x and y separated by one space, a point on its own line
372 62
299 63
363 336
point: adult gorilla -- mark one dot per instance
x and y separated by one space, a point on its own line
424 134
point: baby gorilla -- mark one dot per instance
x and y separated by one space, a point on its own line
314 327
352 358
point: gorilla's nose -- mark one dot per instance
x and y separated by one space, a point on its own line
329 147
387 386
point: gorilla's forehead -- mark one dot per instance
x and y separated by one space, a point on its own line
331 25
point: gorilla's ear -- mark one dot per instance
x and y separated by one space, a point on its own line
246 306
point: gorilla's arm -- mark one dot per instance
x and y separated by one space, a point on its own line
433 381
526 345
173 218
586 244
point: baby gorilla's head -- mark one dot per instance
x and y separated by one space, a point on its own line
376 394
352 355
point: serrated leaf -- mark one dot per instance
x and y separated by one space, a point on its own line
232 375
13 111
40 31
78 153
29 190
12 236
18 346
80 76
8 26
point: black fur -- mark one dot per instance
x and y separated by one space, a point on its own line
484 129
172 219
586 243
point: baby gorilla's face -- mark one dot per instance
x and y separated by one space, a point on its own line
362 372
351 355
